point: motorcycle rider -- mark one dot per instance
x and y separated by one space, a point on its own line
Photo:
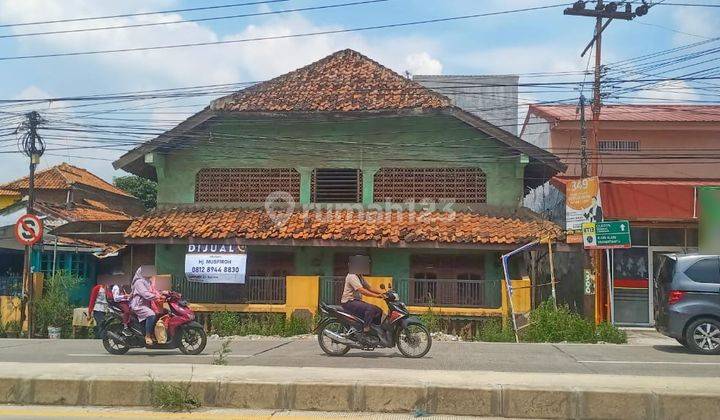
141 302
355 288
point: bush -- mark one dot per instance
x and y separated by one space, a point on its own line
53 308
551 325
609 333
433 321
496 331
228 323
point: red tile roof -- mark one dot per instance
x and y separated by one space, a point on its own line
343 81
83 213
61 177
343 225
646 113
9 192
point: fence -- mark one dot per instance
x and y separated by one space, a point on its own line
255 290
11 285
462 293
331 288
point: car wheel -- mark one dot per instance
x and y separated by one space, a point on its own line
703 336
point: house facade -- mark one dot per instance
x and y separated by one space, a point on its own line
338 158
72 203
652 161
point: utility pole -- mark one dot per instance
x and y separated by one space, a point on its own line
33 147
593 259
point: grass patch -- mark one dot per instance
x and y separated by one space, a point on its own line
229 323
172 397
554 325
608 333
494 330
220 356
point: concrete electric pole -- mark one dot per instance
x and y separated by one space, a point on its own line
33 147
609 11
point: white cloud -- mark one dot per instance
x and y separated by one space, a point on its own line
694 21
671 91
229 63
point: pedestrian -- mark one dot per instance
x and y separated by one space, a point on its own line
97 307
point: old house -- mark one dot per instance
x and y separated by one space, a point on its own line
652 160
337 158
74 205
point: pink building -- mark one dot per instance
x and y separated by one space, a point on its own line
650 160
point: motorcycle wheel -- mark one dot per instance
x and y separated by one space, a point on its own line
330 347
414 341
192 341
112 346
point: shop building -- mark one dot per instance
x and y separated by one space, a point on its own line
652 160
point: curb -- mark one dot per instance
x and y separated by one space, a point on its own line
490 401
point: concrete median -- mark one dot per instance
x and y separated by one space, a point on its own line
518 395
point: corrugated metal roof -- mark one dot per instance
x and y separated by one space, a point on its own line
642 113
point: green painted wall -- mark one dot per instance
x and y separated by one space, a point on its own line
364 143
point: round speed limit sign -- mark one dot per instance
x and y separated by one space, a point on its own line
28 229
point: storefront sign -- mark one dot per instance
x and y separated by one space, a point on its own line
709 199
606 235
215 264
589 281
582 203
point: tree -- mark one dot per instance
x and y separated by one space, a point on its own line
144 189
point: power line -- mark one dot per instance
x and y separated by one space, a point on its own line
143 25
267 38
160 12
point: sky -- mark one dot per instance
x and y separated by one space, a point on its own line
522 43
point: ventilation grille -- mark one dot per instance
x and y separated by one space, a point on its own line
244 185
337 186
619 146
461 185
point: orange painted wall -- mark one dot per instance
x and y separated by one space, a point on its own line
660 143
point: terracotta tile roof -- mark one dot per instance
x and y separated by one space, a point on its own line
83 213
61 177
646 113
344 225
9 192
343 81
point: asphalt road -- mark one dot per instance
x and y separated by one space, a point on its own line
665 359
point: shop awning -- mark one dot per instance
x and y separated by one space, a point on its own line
648 199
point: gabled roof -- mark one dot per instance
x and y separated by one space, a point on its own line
635 113
61 177
341 82
375 228
81 212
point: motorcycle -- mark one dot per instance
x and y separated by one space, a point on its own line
183 332
340 331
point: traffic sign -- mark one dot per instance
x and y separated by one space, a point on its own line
606 235
28 229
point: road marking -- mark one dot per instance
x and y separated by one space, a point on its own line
640 362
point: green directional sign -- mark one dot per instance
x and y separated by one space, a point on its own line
604 235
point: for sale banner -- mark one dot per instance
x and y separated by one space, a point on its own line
215 264
582 203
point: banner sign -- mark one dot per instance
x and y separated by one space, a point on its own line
709 200
582 203
215 264
606 235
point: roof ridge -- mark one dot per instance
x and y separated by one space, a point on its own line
303 101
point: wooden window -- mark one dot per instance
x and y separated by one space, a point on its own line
461 185
245 185
337 186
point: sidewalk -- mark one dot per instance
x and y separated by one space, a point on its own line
535 395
